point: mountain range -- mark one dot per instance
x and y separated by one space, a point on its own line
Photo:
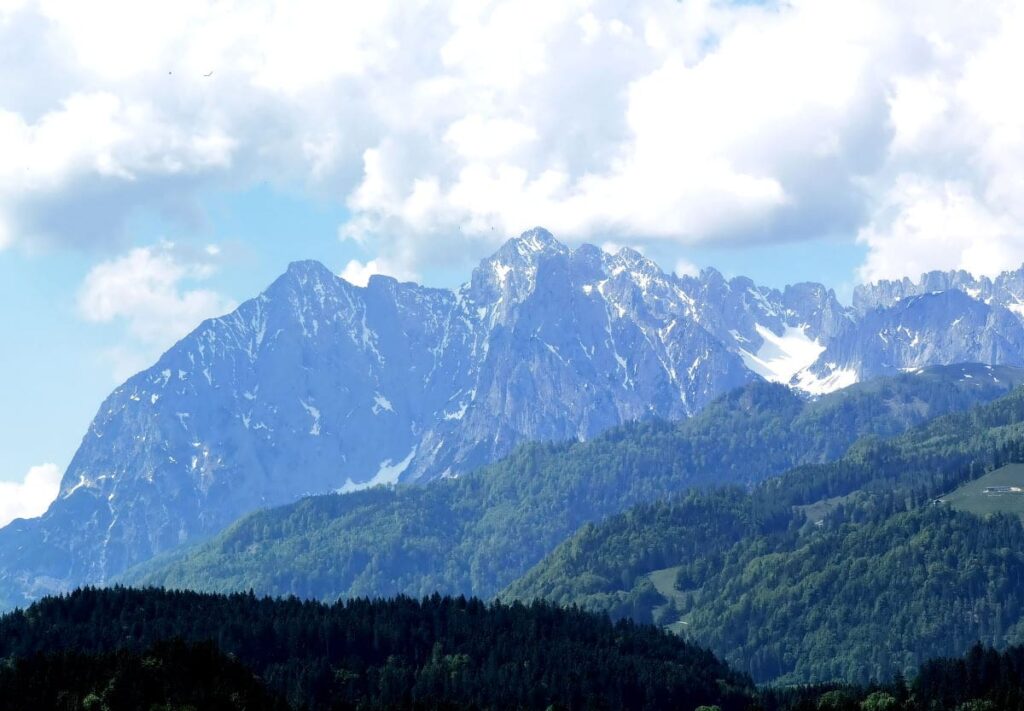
317 385
480 532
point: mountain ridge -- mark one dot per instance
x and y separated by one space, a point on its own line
317 385
1007 288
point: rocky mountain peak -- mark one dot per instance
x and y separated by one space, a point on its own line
711 277
305 272
630 260
527 249
537 240
1006 289
510 274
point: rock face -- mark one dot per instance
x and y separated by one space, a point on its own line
1005 290
943 318
317 385
936 328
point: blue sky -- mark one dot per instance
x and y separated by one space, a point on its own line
162 163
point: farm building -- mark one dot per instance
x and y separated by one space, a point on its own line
995 490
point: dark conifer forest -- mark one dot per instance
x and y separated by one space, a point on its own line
153 649
122 648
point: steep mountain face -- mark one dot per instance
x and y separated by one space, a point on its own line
317 385
944 317
564 344
935 328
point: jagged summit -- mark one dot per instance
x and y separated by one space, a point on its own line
528 247
517 261
1007 289
629 258
305 267
538 240
306 271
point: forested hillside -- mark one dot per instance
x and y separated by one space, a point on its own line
479 533
862 599
845 570
606 566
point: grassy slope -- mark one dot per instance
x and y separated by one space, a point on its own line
971 496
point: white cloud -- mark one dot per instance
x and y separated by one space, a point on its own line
5 235
359 273
445 127
31 496
151 290
477 138
927 225
686 268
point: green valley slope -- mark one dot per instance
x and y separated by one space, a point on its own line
887 577
1000 491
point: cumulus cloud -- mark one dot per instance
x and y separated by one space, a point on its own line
359 273
31 496
445 127
686 268
153 291
924 225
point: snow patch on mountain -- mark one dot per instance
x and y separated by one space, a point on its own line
314 413
381 404
387 475
781 357
836 379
